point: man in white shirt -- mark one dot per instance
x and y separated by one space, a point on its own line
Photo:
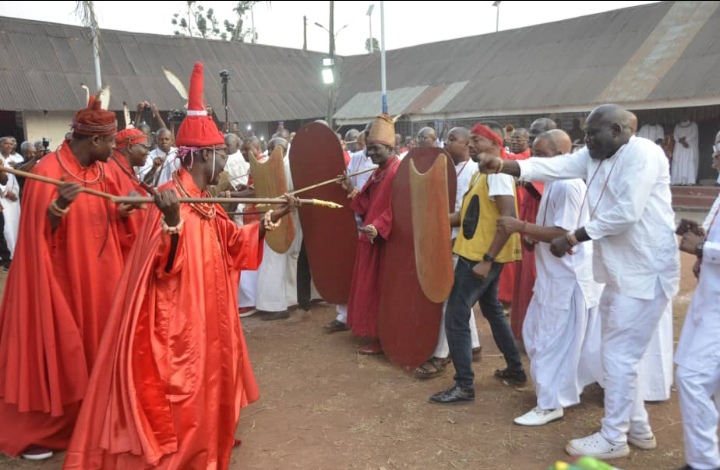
161 162
635 256
698 351
563 308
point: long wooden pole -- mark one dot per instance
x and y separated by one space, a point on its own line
45 179
191 200
334 180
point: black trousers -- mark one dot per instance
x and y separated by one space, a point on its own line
304 279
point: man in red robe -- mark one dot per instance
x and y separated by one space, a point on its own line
176 369
59 290
372 203
131 149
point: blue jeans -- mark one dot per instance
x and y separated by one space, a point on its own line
467 290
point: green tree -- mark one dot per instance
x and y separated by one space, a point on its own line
371 45
195 21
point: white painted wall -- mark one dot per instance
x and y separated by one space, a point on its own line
53 124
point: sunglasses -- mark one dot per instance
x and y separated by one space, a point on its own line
145 146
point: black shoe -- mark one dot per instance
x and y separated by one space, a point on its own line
513 377
454 395
270 316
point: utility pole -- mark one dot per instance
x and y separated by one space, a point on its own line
252 19
304 33
331 88
332 30
369 15
382 59
497 16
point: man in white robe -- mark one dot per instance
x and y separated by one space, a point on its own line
160 163
10 200
277 276
634 255
716 151
698 351
238 170
458 148
563 308
685 153
652 132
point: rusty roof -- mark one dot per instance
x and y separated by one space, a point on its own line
43 65
639 56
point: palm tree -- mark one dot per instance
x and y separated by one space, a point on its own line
86 12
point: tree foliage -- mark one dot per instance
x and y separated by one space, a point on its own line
372 45
196 21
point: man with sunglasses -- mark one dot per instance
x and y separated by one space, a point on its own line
131 149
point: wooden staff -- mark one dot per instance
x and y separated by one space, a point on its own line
334 180
226 200
140 199
45 179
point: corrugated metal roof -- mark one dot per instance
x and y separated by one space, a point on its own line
364 106
42 66
658 52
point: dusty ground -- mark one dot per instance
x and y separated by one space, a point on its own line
324 407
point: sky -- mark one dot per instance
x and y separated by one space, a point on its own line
281 23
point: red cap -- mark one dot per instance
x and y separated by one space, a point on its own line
94 120
198 129
128 137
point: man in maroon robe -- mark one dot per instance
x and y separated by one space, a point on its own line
373 203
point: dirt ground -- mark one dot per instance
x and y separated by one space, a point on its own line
323 407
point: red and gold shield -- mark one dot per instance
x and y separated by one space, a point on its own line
270 181
330 236
409 320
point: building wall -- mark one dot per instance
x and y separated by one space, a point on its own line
51 124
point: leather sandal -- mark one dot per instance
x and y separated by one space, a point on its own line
434 367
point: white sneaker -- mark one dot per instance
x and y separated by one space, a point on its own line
539 417
36 453
597 446
643 441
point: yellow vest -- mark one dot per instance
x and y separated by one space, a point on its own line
478 218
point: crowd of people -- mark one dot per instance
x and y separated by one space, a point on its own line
120 335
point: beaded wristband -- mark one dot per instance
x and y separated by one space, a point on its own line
57 211
172 230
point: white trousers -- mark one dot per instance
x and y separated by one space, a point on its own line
656 367
248 288
341 313
442 350
11 213
700 415
627 326
277 278
554 340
